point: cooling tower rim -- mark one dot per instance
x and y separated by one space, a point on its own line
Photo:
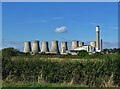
44 41
63 41
80 41
35 41
54 40
92 41
74 40
27 41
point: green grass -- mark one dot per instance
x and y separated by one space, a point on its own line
42 85
34 84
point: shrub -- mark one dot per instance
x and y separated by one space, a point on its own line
69 54
8 52
82 53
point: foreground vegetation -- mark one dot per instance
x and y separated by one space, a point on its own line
42 85
96 70
36 84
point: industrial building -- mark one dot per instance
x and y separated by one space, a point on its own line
27 47
64 47
91 47
45 47
35 47
54 47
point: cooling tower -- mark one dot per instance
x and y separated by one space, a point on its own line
64 47
92 43
54 47
27 47
80 44
45 47
35 47
74 44
101 45
97 38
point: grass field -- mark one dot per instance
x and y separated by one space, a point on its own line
35 84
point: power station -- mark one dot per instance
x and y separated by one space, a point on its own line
74 44
27 47
97 38
54 47
64 47
91 47
45 47
80 44
35 47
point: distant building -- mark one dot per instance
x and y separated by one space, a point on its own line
88 48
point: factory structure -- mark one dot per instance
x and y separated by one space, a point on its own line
92 47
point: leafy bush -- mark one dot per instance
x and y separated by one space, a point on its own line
82 53
69 54
8 52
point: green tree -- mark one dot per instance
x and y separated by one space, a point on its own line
82 53
69 54
9 52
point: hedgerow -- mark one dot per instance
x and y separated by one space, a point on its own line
86 72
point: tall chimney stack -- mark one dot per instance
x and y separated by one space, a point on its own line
97 38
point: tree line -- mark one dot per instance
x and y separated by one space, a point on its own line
14 52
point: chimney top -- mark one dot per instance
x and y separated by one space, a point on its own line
97 25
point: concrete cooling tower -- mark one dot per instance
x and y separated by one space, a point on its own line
74 44
45 47
35 47
92 43
27 47
80 44
64 47
54 47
